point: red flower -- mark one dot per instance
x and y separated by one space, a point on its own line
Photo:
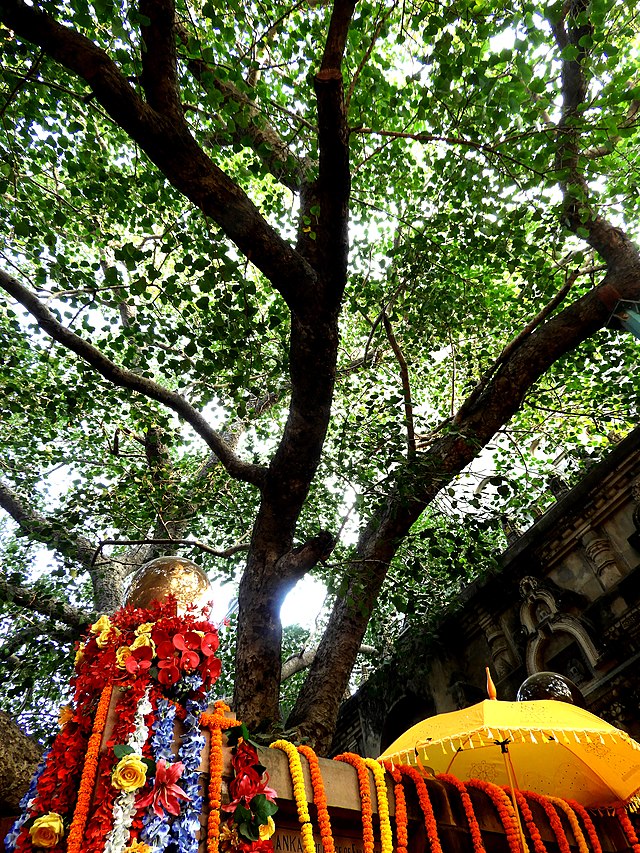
244 788
139 660
189 661
209 644
168 672
245 758
211 669
165 792
189 641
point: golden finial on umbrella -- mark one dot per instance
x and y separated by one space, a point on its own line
165 576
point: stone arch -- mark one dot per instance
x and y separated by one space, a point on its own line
560 625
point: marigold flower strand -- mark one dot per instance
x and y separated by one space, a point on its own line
578 834
299 793
402 835
588 825
88 779
430 824
365 797
386 838
215 722
534 832
628 828
319 798
504 807
467 805
554 820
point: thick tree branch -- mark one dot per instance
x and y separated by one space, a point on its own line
579 214
33 599
226 552
266 143
173 150
159 77
124 378
297 562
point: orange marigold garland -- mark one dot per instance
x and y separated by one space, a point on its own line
215 722
628 829
507 816
467 805
525 811
402 834
299 793
89 771
430 824
386 839
365 797
320 799
578 834
554 820
582 813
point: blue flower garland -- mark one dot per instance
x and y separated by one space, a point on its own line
186 825
25 803
156 830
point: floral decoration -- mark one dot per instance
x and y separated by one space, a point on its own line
430 825
158 666
582 813
299 793
402 835
628 829
386 839
319 799
506 813
554 820
365 797
467 805
573 821
534 832
216 722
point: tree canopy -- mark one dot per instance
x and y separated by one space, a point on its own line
275 274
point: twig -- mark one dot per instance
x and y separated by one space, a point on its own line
406 386
228 552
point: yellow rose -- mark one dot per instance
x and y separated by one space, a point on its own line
103 625
47 830
145 628
129 774
102 639
79 656
267 829
143 640
121 656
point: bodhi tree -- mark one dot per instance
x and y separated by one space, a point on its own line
275 272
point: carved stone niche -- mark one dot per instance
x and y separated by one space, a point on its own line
634 539
599 550
547 628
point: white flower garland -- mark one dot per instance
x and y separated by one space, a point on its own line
124 807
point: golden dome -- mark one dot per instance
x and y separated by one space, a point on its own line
164 576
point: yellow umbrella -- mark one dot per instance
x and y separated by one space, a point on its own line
545 746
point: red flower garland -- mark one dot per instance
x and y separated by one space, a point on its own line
430 824
467 805
319 798
627 828
554 820
588 825
525 811
402 835
365 797
507 816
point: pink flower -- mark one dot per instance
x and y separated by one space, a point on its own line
165 793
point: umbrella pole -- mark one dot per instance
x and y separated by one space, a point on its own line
510 775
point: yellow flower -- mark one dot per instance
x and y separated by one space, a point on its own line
121 656
143 640
137 847
46 831
101 626
129 774
102 639
65 715
79 656
267 829
145 628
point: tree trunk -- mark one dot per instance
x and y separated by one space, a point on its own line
19 757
